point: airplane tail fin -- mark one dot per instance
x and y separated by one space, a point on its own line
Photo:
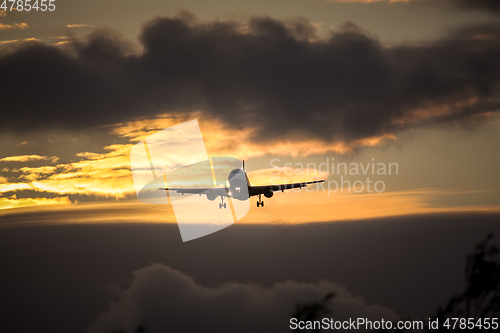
243 166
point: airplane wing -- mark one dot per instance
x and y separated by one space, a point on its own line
219 191
256 190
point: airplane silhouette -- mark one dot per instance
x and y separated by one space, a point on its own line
240 188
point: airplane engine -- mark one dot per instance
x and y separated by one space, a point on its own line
211 195
268 192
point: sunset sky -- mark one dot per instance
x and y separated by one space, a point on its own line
286 85
301 83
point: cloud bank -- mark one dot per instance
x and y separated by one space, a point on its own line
485 5
27 158
165 300
267 74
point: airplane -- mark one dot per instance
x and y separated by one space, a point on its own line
240 188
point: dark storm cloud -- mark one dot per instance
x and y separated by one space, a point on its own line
263 72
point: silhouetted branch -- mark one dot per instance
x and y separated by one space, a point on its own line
313 311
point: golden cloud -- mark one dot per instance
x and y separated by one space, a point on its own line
287 208
24 143
223 141
435 111
23 158
108 174
80 26
31 174
13 187
13 202
63 43
8 41
105 175
19 40
20 26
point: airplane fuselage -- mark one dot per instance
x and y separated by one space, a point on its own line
239 184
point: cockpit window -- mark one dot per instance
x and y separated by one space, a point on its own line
234 173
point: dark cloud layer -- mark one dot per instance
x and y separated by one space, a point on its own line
59 276
486 5
263 72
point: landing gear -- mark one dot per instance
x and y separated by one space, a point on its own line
222 204
260 202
